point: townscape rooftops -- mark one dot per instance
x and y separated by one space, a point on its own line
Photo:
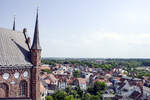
82 80
52 77
14 49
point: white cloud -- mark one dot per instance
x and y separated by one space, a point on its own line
133 38
100 44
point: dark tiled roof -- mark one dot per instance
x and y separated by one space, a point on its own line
135 95
52 87
121 86
13 49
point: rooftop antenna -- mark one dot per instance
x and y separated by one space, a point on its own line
14 22
37 7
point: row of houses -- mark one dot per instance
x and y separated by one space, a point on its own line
119 86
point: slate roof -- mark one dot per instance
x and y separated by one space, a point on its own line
13 49
135 95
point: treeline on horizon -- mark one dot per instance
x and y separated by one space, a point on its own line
95 62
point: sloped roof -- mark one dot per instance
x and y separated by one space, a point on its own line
42 88
135 95
52 77
82 80
13 49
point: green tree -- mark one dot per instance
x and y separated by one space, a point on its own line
76 73
79 91
99 86
49 98
74 93
47 70
95 97
68 90
59 95
106 66
86 96
70 97
90 90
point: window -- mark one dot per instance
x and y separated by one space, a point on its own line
23 89
4 90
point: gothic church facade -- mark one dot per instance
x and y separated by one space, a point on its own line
19 65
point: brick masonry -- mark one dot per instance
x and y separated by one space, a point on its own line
12 83
33 80
36 61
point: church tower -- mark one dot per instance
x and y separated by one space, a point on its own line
36 61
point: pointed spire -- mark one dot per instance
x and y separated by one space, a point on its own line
36 42
14 23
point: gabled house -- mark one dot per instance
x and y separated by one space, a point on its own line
43 91
81 82
127 88
62 84
53 79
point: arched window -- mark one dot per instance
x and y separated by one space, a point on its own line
4 90
23 88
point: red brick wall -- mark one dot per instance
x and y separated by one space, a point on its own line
36 61
36 57
35 83
13 89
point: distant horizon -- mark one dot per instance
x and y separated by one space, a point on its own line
92 58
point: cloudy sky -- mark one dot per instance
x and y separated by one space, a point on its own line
84 28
